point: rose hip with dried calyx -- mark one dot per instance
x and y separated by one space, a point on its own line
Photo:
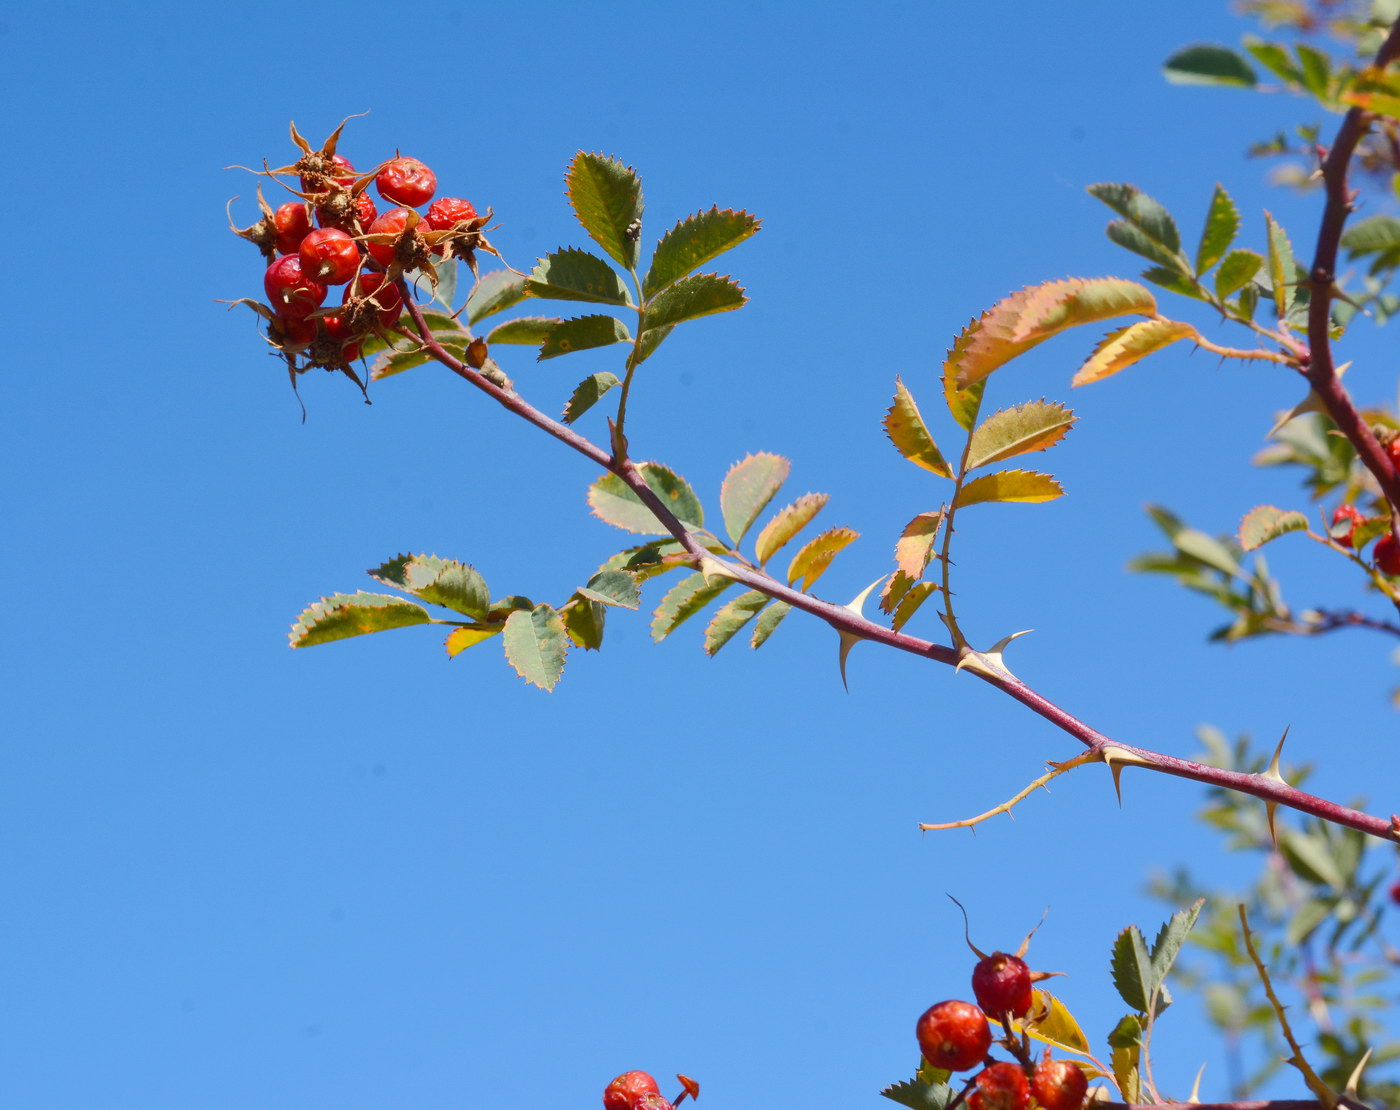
1000 1086
953 1035
291 292
406 181
1059 1085
628 1089
329 255
1002 984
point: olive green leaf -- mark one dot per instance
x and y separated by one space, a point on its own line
343 615
613 500
731 617
576 275
1034 426
748 487
607 199
693 242
910 435
587 394
581 334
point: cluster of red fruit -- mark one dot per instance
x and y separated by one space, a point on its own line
955 1036
1386 554
354 245
637 1090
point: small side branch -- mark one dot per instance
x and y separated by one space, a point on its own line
1006 806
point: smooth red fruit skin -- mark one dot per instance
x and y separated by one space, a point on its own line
1002 985
1059 1085
628 1089
292 221
1001 1087
406 181
1394 452
391 222
1341 513
329 255
1395 894
1387 554
385 297
289 290
445 213
954 1035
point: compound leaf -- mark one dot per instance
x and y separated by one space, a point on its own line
1034 426
907 431
536 643
748 487
1010 485
343 615
1120 349
613 500
607 199
693 242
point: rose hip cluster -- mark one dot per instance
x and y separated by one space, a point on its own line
637 1090
1386 554
333 234
956 1036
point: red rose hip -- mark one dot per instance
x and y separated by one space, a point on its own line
1387 554
1059 1085
392 222
406 181
290 291
292 221
628 1090
384 296
953 1035
1002 985
1345 513
445 213
1001 1087
329 255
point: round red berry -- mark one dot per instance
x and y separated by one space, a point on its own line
628 1089
289 290
392 223
406 181
337 162
1059 1085
1002 985
292 221
1001 1087
1345 513
1387 554
384 296
445 213
953 1035
329 255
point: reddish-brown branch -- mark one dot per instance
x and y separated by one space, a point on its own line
1319 369
1274 1104
848 621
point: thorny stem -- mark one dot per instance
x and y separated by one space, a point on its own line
1319 368
846 620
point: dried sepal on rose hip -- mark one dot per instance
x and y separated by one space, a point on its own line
396 241
1059 1085
370 299
628 1089
351 210
953 1035
1000 1086
406 181
263 234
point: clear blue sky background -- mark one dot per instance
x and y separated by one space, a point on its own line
365 876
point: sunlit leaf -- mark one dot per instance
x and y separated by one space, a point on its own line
789 521
915 544
459 639
587 394
693 242
1222 225
693 297
1265 523
607 199
1283 275
1144 213
576 275
964 402
343 615
910 435
1010 485
527 331
584 622
918 1095
497 291
1375 233
1120 349
910 602
1133 976
731 617
443 582
1171 937
1208 64
1274 58
614 501
811 562
581 334
748 487
768 620
613 587
1034 426
1236 271
535 645
683 600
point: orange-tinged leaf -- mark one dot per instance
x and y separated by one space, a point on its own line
915 545
1029 316
811 562
910 435
1267 522
1120 349
787 524
1010 485
1051 1023
1034 426
894 591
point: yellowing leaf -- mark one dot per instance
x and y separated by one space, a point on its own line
1266 522
910 435
1017 431
787 524
1051 1023
915 545
1010 485
811 562
910 602
459 639
1120 349
1030 316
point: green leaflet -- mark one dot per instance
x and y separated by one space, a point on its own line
613 500
587 394
788 523
748 487
1265 523
1146 215
693 242
731 617
1208 64
581 334
576 275
1283 275
910 435
1222 225
1034 426
648 341
443 582
613 587
768 620
918 1095
527 331
1236 271
497 291
1274 58
1010 485
1171 937
535 644
1133 976
683 600
693 297
343 615
607 199
583 622
1371 235
811 562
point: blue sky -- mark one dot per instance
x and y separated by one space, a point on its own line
365 876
